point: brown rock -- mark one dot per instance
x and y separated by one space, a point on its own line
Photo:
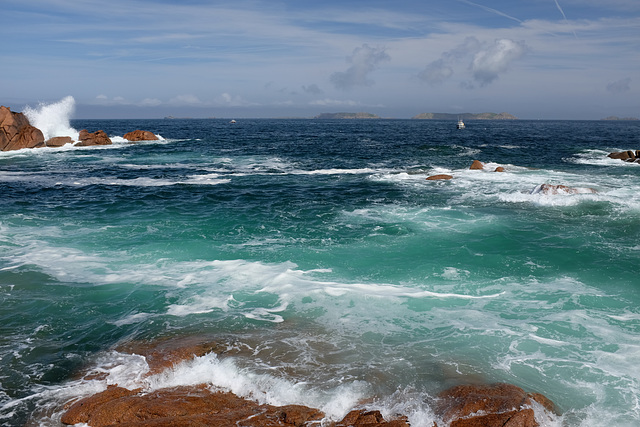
499 169
524 418
82 411
477 165
16 132
182 406
624 155
96 138
361 418
486 405
140 135
440 176
58 141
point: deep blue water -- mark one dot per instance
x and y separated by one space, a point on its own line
318 250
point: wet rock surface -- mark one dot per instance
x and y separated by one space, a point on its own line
502 405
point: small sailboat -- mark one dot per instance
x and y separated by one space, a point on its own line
460 124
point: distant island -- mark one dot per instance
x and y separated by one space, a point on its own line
346 116
620 118
465 116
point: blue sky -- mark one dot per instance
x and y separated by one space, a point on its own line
537 59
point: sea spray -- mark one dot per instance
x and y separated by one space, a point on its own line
53 119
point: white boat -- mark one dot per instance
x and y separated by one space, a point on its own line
460 124
232 121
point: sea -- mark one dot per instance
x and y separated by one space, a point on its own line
318 255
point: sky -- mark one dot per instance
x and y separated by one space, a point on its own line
536 59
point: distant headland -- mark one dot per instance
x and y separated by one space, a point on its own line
620 118
465 116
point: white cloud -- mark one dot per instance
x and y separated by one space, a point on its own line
486 61
364 60
495 59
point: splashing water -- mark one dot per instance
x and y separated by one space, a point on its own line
53 119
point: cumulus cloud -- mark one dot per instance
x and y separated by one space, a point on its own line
364 60
495 59
486 61
620 86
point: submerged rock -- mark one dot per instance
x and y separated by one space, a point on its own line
439 177
550 189
504 405
16 132
140 135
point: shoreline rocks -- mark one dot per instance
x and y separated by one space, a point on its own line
17 133
203 404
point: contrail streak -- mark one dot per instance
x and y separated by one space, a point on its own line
564 16
488 9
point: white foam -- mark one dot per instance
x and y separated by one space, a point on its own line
53 119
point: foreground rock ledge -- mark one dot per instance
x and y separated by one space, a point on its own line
486 405
502 405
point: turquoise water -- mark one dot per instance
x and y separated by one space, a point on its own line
318 251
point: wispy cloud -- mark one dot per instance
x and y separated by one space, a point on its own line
312 89
620 86
364 60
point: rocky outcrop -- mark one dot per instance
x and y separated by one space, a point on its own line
627 156
503 405
140 135
96 138
476 165
16 132
439 177
182 406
